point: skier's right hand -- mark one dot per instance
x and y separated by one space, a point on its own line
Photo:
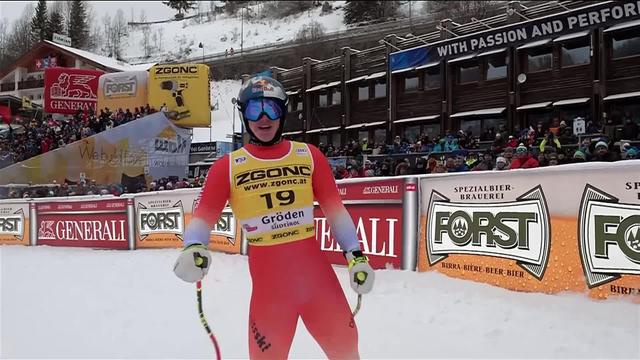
193 263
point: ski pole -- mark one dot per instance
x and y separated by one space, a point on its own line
360 278
204 320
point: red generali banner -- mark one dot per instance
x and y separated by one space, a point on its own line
97 223
376 208
67 89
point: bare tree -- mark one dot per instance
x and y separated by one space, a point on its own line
461 11
4 40
145 42
19 41
143 16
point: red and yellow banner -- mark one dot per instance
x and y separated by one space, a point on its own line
67 90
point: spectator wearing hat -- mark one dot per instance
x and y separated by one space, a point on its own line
602 153
630 130
579 156
523 160
565 133
498 144
501 164
633 154
512 142
550 140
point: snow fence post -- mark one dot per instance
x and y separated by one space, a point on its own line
410 209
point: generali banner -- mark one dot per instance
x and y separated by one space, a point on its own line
382 210
161 218
547 230
14 223
123 90
84 223
67 90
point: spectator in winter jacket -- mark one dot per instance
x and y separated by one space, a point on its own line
630 130
512 142
498 144
501 164
550 140
602 153
566 134
523 160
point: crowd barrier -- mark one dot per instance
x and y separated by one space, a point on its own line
572 228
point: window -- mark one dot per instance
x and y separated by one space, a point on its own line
363 134
478 126
380 90
431 130
336 97
412 133
298 104
380 136
496 67
432 78
322 100
411 82
468 73
625 44
323 139
575 54
363 93
539 60
39 96
335 139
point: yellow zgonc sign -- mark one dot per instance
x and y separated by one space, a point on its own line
182 91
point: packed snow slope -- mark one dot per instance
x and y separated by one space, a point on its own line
83 303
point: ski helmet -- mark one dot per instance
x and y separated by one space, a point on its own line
263 87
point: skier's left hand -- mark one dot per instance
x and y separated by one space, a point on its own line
361 275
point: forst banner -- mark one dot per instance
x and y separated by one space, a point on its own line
545 230
162 217
183 89
384 213
123 90
14 223
146 149
84 223
67 90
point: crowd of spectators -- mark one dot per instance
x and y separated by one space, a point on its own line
37 137
91 187
494 149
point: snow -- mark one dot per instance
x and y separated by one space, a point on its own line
225 32
222 116
102 60
83 303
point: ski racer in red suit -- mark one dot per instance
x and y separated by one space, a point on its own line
271 184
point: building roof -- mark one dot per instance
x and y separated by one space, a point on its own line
98 61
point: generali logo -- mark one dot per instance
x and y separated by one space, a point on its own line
12 224
381 189
166 220
72 87
609 237
519 230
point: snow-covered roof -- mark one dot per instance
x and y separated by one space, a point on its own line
107 62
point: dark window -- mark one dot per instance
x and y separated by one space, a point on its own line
380 136
468 73
363 134
380 89
323 138
298 104
412 133
411 82
322 100
539 59
575 54
363 92
625 44
432 130
496 67
335 139
478 126
432 78
336 97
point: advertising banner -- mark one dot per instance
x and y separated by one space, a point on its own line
382 211
132 154
88 223
123 90
14 223
548 230
182 90
162 217
68 89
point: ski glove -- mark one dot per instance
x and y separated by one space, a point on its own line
361 275
193 263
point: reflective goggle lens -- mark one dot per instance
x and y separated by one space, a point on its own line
256 107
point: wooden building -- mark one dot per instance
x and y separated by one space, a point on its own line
538 62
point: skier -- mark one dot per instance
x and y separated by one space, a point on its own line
271 184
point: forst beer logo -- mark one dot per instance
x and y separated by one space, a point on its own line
609 237
226 226
519 230
165 220
121 86
12 225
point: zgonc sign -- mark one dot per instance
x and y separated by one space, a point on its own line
97 224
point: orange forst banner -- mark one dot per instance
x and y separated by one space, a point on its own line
536 230
14 223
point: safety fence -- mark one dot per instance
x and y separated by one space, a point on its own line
574 228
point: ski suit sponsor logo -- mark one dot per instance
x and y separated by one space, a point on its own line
258 175
281 220
518 230
609 237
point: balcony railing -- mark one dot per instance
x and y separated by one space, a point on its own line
31 84
7 87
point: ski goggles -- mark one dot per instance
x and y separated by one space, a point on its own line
254 109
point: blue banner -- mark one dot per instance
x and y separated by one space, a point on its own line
409 58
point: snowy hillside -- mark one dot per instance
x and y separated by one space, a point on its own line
180 39
82 303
